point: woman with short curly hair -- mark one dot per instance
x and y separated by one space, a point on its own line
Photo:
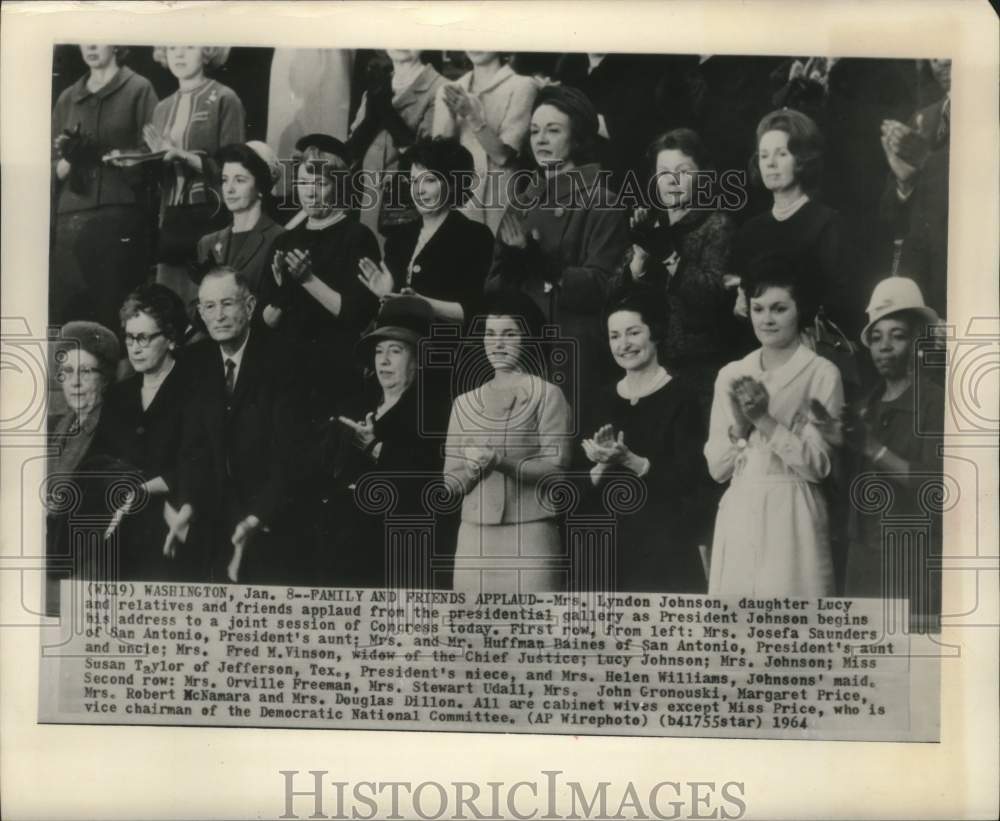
190 126
138 437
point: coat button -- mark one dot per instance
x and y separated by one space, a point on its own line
558 213
416 269
140 430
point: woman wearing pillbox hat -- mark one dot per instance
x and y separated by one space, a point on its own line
385 434
311 295
895 433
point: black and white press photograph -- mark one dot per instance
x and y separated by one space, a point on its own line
629 396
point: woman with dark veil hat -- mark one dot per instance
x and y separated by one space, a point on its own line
381 440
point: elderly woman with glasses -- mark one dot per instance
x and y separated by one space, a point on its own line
86 358
139 434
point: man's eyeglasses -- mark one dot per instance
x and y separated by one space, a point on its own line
141 340
68 373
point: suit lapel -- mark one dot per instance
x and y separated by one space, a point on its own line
220 248
252 242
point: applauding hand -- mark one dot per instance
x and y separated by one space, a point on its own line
376 278
364 431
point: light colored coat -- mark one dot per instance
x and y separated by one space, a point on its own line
507 102
771 533
529 422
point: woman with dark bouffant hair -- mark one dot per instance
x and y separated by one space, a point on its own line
445 256
789 164
772 532
563 243
397 109
648 426
249 171
139 434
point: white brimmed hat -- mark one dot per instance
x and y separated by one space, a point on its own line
892 295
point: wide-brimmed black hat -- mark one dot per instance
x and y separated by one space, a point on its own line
403 318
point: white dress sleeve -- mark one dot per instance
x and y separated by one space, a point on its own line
803 450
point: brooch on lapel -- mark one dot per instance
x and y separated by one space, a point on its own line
213 96
217 249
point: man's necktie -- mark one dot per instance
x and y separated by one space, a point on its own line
230 377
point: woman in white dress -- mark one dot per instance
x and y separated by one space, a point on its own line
771 532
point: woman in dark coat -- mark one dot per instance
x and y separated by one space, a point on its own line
380 439
649 426
86 358
249 172
312 298
101 238
564 248
682 247
139 436
811 235
445 256
895 433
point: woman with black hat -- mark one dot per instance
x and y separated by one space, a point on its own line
564 245
312 298
383 436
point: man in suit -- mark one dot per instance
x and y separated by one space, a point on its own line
239 455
